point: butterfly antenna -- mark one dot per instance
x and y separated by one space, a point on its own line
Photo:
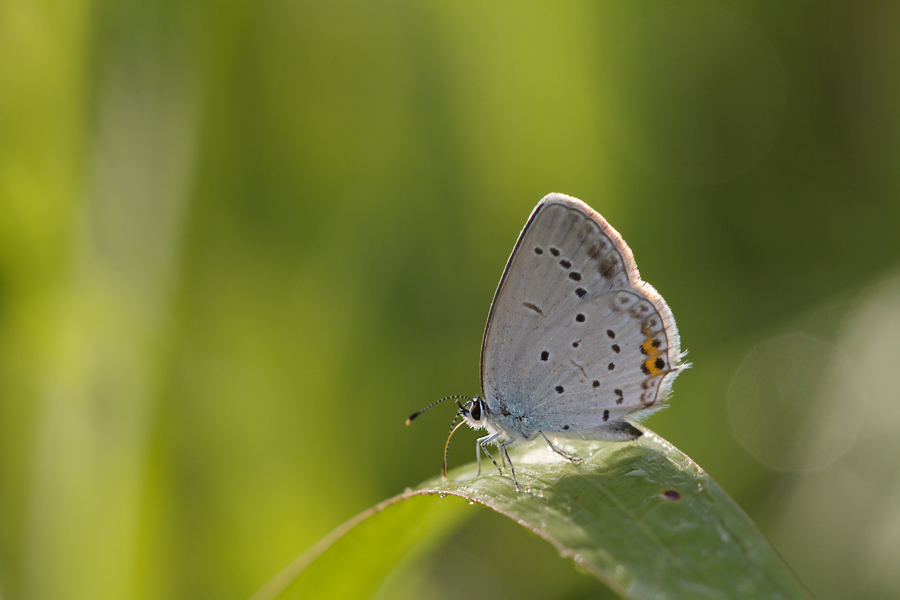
447 445
419 412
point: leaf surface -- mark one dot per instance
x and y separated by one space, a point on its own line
640 516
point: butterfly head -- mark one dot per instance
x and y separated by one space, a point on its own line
474 412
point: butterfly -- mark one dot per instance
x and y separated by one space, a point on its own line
576 344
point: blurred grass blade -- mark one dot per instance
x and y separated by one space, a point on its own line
641 517
353 560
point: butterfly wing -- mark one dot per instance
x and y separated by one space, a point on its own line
575 341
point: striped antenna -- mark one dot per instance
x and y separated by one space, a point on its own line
419 412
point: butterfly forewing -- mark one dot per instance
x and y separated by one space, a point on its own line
574 338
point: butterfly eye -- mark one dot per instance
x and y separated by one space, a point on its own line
475 411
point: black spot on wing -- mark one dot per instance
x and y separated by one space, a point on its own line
533 307
596 250
607 268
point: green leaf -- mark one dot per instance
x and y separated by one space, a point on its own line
642 517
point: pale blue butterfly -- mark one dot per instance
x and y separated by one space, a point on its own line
576 344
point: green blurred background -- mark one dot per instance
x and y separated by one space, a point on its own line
240 242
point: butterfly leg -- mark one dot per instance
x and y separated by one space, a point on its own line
558 451
511 468
481 444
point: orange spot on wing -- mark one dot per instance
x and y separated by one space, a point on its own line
650 363
652 353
